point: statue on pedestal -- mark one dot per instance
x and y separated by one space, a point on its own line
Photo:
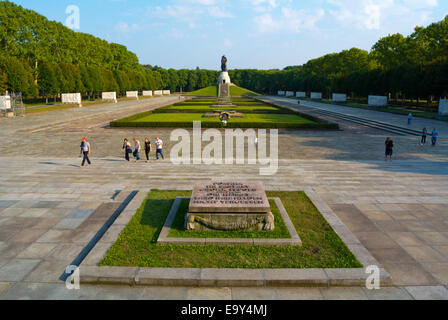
224 64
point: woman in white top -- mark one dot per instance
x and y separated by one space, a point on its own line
137 148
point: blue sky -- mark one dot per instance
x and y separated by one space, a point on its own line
261 34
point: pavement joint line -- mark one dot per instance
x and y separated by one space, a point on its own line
94 241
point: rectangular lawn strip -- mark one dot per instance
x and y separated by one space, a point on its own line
178 230
255 118
209 108
137 246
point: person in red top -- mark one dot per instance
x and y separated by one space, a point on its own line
85 150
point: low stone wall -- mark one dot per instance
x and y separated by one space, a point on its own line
301 94
316 95
147 93
5 103
166 92
339 97
443 107
109 96
71 98
377 101
158 93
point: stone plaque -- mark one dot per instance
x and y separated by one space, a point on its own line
301 94
339 97
109 96
316 95
229 197
71 98
147 93
158 92
443 107
282 93
377 101
132 94
5 102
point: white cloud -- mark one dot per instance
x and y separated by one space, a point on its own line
217 12
382 14
290 20
192 11
125 28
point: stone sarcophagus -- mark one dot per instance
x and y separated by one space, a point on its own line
229 206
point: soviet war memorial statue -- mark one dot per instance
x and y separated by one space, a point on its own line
224 64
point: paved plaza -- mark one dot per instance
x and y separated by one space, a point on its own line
49 206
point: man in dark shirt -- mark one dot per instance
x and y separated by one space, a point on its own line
389 148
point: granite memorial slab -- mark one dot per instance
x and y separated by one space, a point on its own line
220 205
377 101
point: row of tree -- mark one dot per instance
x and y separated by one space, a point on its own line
41 57
414 66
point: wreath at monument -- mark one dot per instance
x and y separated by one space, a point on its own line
224 117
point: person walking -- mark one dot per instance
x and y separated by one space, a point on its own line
147 149
137 148
389 148
424 135
435 136
85 150
159 148
409 119
127 149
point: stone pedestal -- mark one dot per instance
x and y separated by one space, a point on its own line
224 78
229 206
224 90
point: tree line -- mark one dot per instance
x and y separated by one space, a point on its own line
44 58
412 67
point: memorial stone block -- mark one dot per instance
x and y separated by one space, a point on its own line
71 98
301 94
147 93
339 97
109 96
216 205
443 107
377 101
132 94
5 102
316 95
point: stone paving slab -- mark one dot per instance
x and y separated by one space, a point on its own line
419 188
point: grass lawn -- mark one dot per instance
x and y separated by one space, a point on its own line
178 120
137 246
48 109
211 108
212 91
178 230
238 91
